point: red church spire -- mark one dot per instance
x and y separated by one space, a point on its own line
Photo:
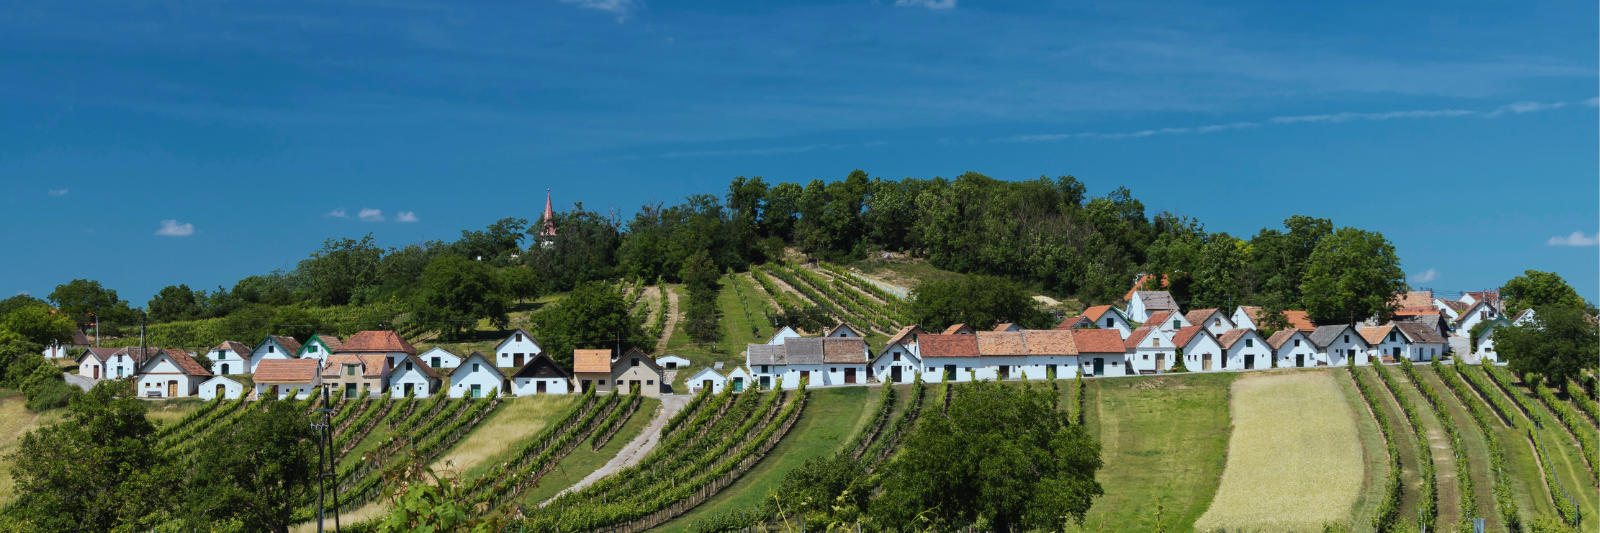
549 220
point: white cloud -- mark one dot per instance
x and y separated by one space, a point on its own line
1524 107
406 216
930 4
1592 102
1575 239
337 213
371 215
1425 276
620 7
58 192
1346 117
172 228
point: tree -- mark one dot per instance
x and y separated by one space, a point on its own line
1002 460
1535 289
1278 260
38 325
977 301
83 300
423 500
521 283
19 301
1556 343
341 269
594 315
1352 275
456 292
257 471
703 317
97 470
173 303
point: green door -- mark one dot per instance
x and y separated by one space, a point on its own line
477 391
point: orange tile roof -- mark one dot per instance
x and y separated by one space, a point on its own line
1139 285
1413 299
1413 311
1049 342
1073 322
1198 317
286 371
1375 335
1004 326
904 333
187 363
1097 341
957 328
236 346
1159 318
333 343
1299 320
947 345
1001 343
1232 336
1187 334
1136 337
371 364
1253 312
591 361
377 341
1282 336
1095 312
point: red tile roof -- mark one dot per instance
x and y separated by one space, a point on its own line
1375 335
187 363
1282 336
1050 342
591 361
1299 320
1136 337
904 334
1001 343
1182 338
1413 311
1159 318
1004 326
948 345
1413 299
372 364
1095 312
1097 341
286 371
1074 322
384 341
333 343
238 348
954 328
1198 317
1228 338
288 343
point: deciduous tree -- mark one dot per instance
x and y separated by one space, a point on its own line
257 471
1556 343
977 301
594 315
1534 289
1352 275
456 292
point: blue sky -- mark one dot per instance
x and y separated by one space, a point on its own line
1466 132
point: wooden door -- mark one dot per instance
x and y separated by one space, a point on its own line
172 389
1205 362
1161 362
477 391
894 374
849 376
516 360
539 387
96 372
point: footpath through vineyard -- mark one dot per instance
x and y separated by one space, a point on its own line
636 449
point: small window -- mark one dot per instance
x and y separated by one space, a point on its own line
896 356
1249 343
311 349
272 349
635 362
1216 322
435 362
1108 322
519 337
1297 343
602 382
1391 336
763 369
1347 338
1156 341
834 369
349 370
649 382
1147 357
408 365
474 367
1177 324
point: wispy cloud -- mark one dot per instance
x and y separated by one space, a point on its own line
930 4
337 213
1425 276
58 192
1333 118
621 8
1577 238
371 215
406 216
171 228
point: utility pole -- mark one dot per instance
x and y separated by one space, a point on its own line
325 453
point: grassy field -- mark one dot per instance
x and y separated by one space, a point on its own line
1164 441
583 461
1563 453
1294 457
520 419
736 329
830 418
1477 451
1374 455
165 412
16 421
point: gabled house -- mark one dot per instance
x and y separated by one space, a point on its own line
220 387
1485 349
1292 348
1144 279
1247 316
707 378
592 368
540 376
959 329
1101 352
1523 318
1244 349
739 378
1007 327
637 373
1251 317
287 378
1385 342
386 343
846 360
171 373
125 362
898 361
1145 303
1451 309
782 334
765 362
516 350
1149 350
439 358
319 347
95 362
273 347
1051 353
1201 351
1107 317
1167 320
948 357
413 377
56 350
1481 311
1338 344
845 330
347 374
1214 320
672 362
230 357
1075 322
1434 320
1472 298
477 377
1425 343
1004 354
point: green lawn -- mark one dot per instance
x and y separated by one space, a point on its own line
736 330
1477 450
1375 455
1444 468
1569 466
1164 441
1410 469
829 420
582 461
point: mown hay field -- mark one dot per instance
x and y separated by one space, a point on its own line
1295 459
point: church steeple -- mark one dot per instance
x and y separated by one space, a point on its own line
549 219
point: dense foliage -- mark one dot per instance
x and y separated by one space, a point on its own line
257 471
593 315
1557 343
977 301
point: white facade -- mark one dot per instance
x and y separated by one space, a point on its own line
1038 366
896 360
1170 322
782 334
842 374
1103 364
268 349
476 377
1479 312
56 351
1156 347
314 348
298 391
229 361
163 378
1241 319
963 369
409 375
1346 345
220 386
121 366
673 362
438 358
1393 344
844 331
530 386
1217 323
1202 353
1138 312
515 351
1486 351
1113 319
791 375
706 378
1297 351
739 379
1249 352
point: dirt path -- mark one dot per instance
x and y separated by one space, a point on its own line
636 449
1443 463
650 293
672 321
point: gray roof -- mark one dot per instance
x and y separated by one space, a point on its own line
1158 300
1325 335
804 351
766 354
1420 332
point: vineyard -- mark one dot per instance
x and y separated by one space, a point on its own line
840 293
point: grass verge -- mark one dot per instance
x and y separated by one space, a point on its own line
583 461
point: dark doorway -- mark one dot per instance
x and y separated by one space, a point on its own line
1249 361
805 376
894 374
849 376
1099 366
539 387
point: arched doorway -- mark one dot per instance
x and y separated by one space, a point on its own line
222 391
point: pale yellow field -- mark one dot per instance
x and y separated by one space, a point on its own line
16 421
512 424
1294 458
